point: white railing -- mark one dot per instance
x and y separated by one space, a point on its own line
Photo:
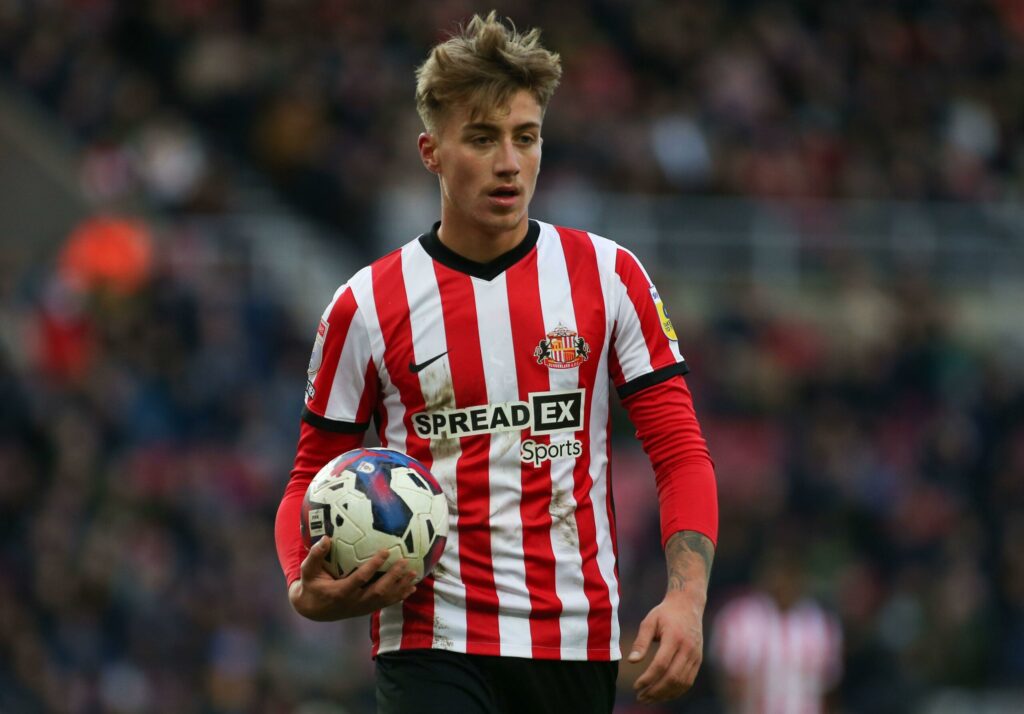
715 240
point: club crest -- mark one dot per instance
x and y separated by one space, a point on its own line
562 348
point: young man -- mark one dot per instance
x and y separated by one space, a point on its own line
486 315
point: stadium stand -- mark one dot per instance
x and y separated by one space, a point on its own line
831 190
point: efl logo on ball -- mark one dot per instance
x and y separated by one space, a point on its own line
372 499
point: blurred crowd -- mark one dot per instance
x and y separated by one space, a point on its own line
149 404
148 425
886 449
906 99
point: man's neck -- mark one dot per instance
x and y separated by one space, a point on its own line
479 246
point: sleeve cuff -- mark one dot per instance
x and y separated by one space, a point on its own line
651 378
332 425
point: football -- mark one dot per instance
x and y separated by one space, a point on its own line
369 499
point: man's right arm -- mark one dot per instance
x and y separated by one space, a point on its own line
341 395
312 590
315 448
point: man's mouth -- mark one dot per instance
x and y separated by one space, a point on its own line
504 192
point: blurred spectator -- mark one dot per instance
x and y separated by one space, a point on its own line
143 452
146 433
780 99
776 649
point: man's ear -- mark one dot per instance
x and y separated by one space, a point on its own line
428 152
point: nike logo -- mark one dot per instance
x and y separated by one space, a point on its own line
414 368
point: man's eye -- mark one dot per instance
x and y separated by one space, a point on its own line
481 140
527 139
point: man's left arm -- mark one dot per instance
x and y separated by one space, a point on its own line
667 427
676 624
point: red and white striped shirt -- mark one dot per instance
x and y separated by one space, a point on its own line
785 660
497 377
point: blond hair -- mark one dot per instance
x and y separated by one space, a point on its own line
483 66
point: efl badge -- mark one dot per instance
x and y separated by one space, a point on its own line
666 324
316 358
562 348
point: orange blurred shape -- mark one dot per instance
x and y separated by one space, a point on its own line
107 252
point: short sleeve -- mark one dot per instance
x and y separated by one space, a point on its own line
341 383
645 348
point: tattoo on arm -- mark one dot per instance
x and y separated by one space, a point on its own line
679 556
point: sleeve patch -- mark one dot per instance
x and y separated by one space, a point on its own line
316 358
666 323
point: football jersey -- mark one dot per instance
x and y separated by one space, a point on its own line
497 377
787 659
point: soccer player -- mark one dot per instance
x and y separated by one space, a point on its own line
487 348
777 650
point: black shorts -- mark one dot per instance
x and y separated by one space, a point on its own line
442 682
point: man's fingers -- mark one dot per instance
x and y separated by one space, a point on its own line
643 640
313 562
358 593
675 625
666 685
398 583
670 687
355 594
364 573
406 586
677 678
392 579
658 666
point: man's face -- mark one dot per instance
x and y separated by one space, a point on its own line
487 166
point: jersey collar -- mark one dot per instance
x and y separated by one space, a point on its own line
485 271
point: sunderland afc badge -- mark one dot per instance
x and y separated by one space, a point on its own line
562 348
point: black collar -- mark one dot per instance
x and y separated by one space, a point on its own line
485 271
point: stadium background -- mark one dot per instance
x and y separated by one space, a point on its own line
828 194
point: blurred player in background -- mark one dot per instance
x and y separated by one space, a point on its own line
776 649
486 348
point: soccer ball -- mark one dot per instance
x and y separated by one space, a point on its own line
369 499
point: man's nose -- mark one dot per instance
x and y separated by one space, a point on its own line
507 160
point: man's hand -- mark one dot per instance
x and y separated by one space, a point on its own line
676 624
319 596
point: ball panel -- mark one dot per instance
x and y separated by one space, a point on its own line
434 553
354 510
439 515
366 547
405 482
390 513
346 529
346 560
407 461
341 464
